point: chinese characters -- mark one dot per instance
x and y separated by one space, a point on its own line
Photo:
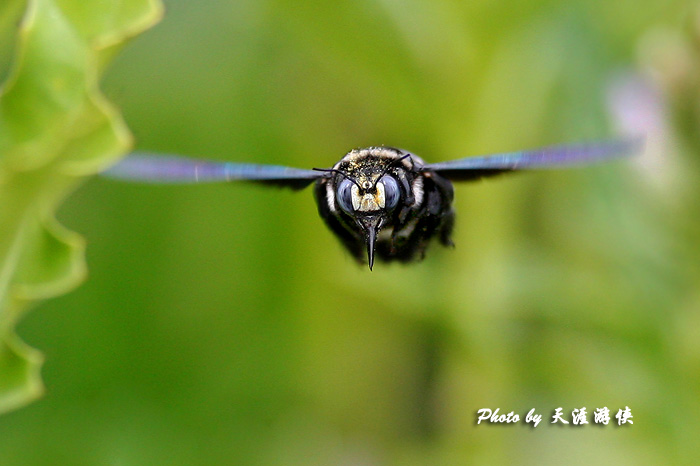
577 417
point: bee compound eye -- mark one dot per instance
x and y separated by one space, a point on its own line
391 191
344 195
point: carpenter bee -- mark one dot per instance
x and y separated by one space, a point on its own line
380 201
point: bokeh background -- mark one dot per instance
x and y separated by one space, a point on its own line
223 324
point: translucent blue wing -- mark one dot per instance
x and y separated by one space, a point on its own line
154 168
470 168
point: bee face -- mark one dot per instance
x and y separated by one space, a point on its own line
376 201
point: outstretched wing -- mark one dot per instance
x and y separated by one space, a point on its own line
153 168
471 168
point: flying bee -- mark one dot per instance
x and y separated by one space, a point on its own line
379 201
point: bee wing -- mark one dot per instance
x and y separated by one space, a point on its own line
471 168
153 168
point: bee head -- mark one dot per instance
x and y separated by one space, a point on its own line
369 199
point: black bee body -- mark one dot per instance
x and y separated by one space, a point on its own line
379 201
407 209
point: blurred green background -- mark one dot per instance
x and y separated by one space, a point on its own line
223 324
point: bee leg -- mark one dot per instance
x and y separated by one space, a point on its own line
448 223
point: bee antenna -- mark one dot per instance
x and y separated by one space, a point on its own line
341 173
389 167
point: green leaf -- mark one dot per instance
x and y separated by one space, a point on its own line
55 129
10 16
